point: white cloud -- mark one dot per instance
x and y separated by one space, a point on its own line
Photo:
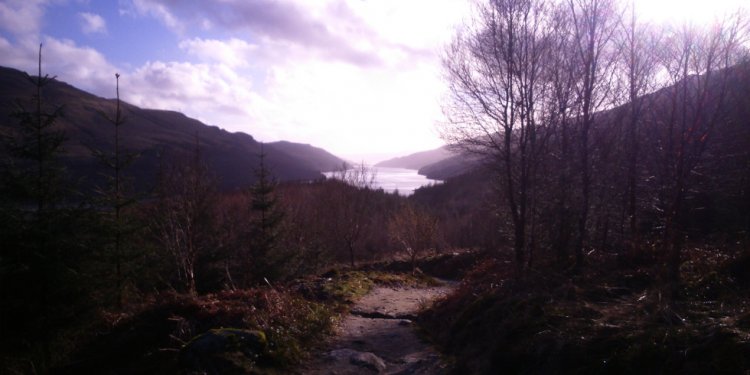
83 67
275 22
22 17
13 55
233 52
349 111
155 9
92 23
341 102
212 93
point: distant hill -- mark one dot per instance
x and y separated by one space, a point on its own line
417 160
158 136
450 167
314 157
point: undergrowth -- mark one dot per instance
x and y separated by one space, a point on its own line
612 319
294 319
149 339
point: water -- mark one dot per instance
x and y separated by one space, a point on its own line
401 179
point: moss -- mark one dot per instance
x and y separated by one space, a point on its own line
225 350
349 286
415 279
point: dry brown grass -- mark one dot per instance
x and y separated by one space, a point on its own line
612 319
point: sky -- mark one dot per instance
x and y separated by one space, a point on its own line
360 78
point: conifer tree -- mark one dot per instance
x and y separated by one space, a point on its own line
114 195
41 278
267 261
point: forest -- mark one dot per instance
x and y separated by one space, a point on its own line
602 225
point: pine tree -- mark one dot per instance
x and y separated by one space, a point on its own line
265 254
118 225
44 288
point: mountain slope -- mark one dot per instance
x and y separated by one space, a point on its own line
417 160
313 157
450 167
158 137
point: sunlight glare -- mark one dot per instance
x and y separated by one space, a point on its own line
696 11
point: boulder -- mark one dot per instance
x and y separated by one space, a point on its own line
360 359
223 351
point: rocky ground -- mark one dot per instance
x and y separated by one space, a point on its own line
379 337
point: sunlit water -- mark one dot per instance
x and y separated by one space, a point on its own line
405 181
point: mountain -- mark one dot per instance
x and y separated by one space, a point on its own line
417 160
450 167
314 157
159 137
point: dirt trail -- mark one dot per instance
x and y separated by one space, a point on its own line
378 336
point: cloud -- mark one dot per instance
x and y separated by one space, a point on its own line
22 17
13 56
212 93
92 23
155 9
271 22
233 52
349 110
344 76
83 67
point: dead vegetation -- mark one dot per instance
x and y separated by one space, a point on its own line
614 319
290 321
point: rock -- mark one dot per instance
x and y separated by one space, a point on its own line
421 364
361 359
368 360
220 351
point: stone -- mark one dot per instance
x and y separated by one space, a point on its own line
226 350
360 359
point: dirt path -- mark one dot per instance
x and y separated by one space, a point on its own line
378 336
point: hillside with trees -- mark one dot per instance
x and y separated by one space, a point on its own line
417 160
156 136
611 148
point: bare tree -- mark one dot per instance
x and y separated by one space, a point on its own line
360 175
413 230
561 100
495 74
696 62
350 205
182 220
637 41
594 23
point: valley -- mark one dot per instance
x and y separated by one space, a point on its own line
588 212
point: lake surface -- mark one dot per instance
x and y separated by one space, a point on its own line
401 179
